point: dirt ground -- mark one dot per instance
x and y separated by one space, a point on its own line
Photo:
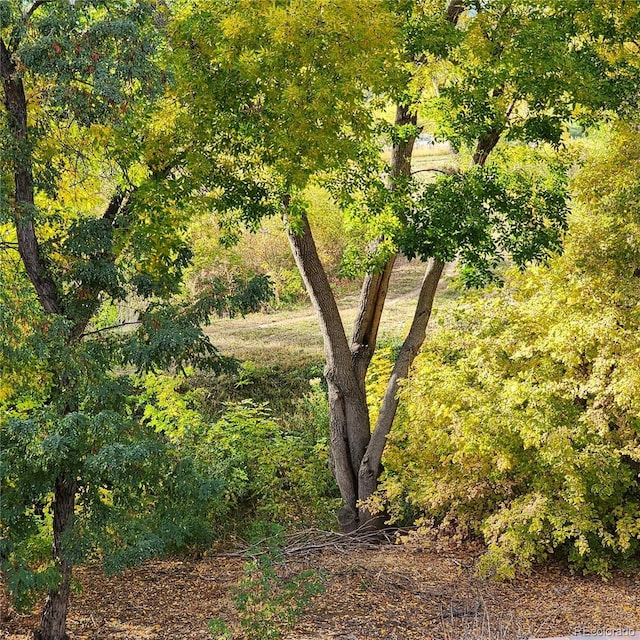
392 591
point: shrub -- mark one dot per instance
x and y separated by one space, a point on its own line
266 250
270 469
271 597
521 420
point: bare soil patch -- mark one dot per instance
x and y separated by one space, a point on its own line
394 592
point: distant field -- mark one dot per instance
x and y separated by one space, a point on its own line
429 156
293 336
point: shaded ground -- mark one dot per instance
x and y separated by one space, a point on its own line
391 592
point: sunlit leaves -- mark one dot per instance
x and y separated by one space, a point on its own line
485 215
89 58
521 419
298 73
522 68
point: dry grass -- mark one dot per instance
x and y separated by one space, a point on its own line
293 336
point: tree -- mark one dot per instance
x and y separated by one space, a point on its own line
92 213
302 109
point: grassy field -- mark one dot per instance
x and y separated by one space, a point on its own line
292 337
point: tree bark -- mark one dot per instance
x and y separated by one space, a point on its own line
455 10
349 417
485 145
24 203
365 330
376 285
53 624
347 361
371 465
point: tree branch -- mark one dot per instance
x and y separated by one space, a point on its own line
486 144
111 328
369 469
23 197
34 7
367 322
91 298
431 169
14 41
317 284
455 10
375 286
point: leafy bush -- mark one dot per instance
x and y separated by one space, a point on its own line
282 386
271 469
266 250
521 421
270 472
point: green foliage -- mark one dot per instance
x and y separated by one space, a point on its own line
270 471
265 250
89 57
280 386
137 495
271 467
497 214
520 68
520 422
298 70
269 599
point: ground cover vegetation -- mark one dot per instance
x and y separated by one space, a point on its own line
135 133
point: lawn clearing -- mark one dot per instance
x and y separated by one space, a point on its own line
293 336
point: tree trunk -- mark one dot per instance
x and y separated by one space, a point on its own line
348 411
53 623
24 202
347 362
371 465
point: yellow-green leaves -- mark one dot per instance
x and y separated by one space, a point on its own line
521 420
522 68
289 79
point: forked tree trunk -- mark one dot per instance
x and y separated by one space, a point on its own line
356 455
356 451
53 624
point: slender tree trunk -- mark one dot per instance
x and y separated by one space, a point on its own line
53 624
371 464
24 204
347 361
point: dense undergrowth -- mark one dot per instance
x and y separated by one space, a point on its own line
521 421
263 433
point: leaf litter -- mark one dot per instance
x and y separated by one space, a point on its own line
372 591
